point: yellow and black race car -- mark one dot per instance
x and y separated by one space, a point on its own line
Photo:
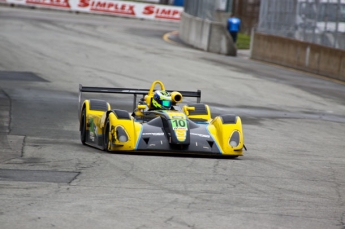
158 124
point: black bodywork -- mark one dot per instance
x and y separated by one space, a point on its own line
158 134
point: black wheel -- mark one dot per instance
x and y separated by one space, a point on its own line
83 127
106 142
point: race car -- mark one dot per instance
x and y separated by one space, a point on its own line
158 127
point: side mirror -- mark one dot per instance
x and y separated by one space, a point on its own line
141 107
187 109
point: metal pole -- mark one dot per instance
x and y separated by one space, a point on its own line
336 26
326 12
316 7
270 18
229 6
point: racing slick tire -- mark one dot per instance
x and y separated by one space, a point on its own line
106 142
83 127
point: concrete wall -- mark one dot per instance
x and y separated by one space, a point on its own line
206 35
300 55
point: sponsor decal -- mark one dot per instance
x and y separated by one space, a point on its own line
201 135
154 134
53 3
180 128
162 12
92 136
124 8
93 129
108 6
178 117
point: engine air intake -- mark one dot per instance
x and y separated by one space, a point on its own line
98 105
229 119
121 114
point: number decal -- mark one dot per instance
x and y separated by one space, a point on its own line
180 127
179 124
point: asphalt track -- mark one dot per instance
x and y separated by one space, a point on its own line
292 175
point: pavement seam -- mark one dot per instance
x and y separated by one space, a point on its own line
9 112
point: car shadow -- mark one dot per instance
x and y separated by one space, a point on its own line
180 155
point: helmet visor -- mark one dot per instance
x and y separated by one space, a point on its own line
166 103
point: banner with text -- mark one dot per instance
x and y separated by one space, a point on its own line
118 8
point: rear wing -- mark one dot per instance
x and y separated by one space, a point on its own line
132 91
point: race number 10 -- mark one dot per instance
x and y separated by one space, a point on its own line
178 123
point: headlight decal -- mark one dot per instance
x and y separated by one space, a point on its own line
121 134
234 139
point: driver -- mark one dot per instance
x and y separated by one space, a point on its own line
161 100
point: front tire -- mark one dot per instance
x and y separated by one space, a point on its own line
83 127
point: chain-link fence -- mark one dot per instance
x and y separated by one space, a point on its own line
206 9
316 21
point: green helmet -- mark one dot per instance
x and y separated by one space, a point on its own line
161 100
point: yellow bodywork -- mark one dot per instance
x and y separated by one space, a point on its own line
98 118
94 115
131 128
222 134
206 117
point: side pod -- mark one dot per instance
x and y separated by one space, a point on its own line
120 130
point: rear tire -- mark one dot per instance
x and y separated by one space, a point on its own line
83 127
106 142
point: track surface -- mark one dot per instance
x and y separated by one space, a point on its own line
294 123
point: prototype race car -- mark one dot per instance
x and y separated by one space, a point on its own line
187 129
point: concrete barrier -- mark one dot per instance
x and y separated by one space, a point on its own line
206 35
300 55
